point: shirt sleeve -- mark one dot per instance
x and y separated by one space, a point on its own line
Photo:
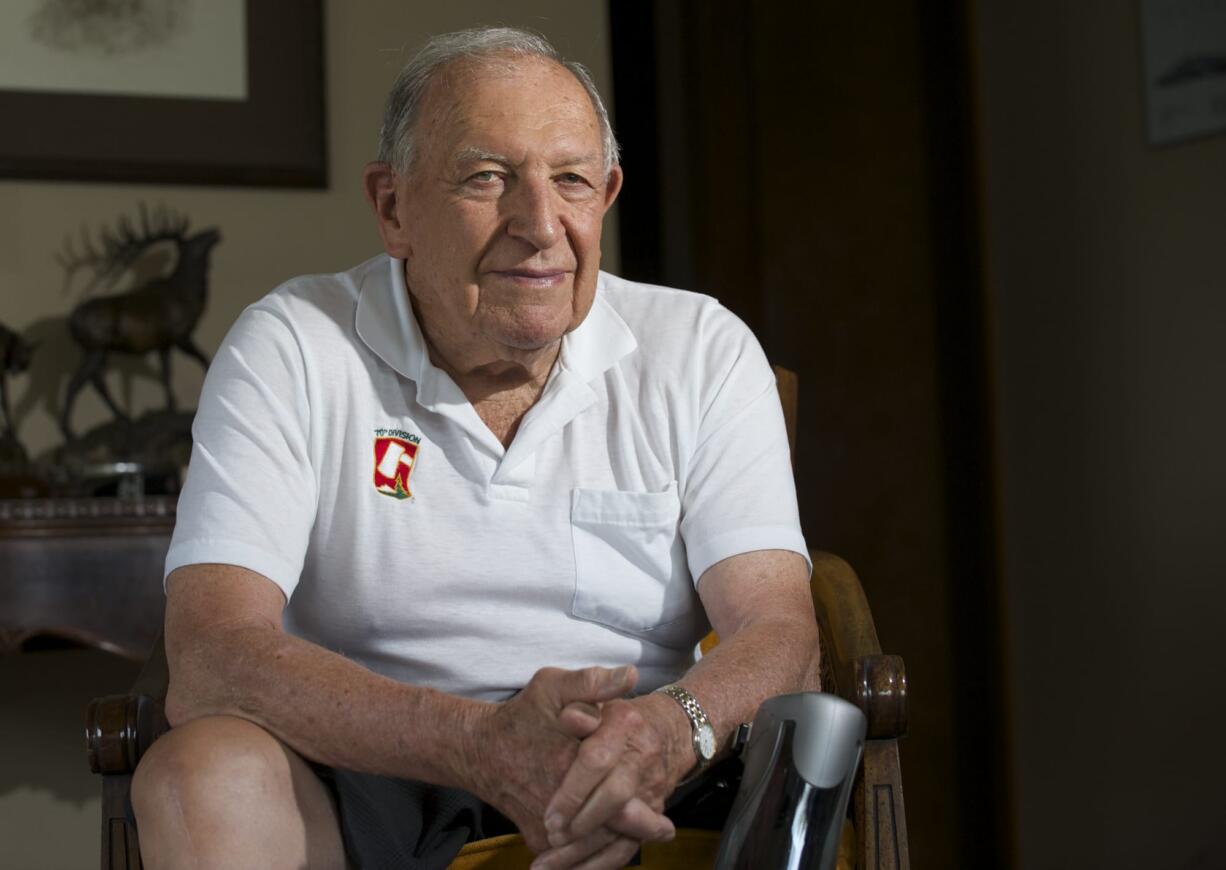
739 494
250 495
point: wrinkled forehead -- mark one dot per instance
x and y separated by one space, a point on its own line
503 94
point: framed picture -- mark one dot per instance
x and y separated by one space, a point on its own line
169 91
1184 45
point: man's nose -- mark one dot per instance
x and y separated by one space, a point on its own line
534 213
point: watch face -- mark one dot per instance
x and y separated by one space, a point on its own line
706 742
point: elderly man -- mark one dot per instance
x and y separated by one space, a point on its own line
453 515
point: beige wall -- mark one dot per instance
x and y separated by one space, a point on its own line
50 804
48 809
1108 289
268 235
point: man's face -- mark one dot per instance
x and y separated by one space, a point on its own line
499 218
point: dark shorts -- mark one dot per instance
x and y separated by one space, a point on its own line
408 825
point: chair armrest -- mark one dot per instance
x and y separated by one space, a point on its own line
118 730
853 660
854 667
879 689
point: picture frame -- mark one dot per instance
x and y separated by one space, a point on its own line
1183 46
276 136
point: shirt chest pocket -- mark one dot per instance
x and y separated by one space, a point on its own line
630 567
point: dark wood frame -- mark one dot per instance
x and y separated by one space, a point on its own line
276 137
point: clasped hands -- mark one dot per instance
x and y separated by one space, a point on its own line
579 768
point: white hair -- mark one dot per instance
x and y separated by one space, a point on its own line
398 135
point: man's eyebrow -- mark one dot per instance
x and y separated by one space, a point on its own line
578 158
472 154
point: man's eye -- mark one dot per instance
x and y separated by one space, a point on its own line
572 178
485 176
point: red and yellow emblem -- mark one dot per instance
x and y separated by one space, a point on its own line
395 456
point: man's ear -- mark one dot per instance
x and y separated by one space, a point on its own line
382 190
613 185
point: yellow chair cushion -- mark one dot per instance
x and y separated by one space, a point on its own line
690 850
507 852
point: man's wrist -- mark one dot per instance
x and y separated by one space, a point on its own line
468 758
677 733
702 731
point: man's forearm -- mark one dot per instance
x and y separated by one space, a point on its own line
761 660
769 658
327 708
229 656
760 604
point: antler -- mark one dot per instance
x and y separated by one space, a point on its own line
121 248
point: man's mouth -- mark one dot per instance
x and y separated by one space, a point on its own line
534 277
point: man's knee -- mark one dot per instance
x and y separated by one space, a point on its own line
216 760
222 782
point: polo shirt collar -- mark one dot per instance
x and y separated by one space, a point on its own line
386 324
599 342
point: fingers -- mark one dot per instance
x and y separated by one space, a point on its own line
606 799
633 819
579 719
592 685
601 850
570 854
638 821
595 760
612 857
604 774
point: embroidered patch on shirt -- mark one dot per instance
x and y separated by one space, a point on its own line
395 456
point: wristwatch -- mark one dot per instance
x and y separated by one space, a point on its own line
704 734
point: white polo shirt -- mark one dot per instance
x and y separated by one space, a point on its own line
333 458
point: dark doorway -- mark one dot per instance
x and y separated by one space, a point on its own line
815 173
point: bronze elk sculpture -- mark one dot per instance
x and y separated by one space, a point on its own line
15 355
158 315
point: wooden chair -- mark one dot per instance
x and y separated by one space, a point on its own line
119 729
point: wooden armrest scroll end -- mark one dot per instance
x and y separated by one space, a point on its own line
118 730
879 689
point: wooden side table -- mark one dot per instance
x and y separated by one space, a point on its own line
87 570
